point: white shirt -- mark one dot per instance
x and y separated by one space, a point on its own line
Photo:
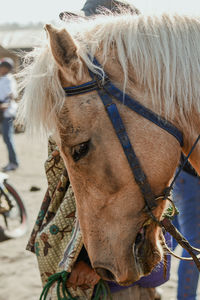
8 89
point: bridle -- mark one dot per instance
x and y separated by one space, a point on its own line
106 91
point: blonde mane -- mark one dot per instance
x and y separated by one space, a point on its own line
163 50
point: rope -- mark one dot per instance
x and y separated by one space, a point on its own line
102 289
180 257
61 279
169 227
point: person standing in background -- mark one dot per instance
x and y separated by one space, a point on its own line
186 196
8 107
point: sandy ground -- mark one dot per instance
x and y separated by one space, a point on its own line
19 276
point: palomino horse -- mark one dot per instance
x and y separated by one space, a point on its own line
154 59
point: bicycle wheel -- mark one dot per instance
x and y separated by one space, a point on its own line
13 221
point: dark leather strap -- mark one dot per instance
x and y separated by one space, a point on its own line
83 88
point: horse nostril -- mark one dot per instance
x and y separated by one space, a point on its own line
139 243
138 238
105 274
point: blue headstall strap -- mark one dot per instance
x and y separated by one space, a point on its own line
107 90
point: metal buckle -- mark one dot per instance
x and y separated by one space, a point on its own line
101 82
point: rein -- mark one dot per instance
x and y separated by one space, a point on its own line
63 293
106 91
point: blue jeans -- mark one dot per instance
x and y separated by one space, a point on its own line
8 132
186 196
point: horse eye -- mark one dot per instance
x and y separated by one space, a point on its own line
79 151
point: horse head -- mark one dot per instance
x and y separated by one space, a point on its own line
121 242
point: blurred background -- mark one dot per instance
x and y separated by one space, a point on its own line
21 28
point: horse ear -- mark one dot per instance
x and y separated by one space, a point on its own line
64 51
